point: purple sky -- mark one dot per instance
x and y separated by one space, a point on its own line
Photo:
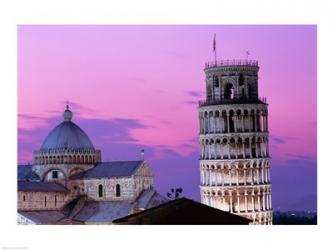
134 87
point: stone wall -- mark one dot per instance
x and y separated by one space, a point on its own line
105 189
42 200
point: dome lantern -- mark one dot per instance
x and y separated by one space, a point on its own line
68 115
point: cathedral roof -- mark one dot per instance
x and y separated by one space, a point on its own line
110 169
25 173
27 186
67 135
43 217
95 212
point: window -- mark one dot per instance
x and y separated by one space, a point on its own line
55 200
118 190
100 190
216 82
23 197
241 80
55 174
45 201
229 91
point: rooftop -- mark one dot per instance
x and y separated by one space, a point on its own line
95 212
110 169
25 173
43 217
27 186
67 135
183 211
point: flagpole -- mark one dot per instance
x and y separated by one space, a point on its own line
214 48
215 58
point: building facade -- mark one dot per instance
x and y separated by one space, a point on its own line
69 184
234 136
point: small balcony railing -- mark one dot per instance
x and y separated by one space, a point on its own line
234 62
233 101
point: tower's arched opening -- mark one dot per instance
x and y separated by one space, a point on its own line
216 82
253 148
231 121
241 80
249 91
229 91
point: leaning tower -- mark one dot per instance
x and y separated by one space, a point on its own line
234 160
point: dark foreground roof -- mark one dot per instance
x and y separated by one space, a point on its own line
110 169
25 173
26 186
183 212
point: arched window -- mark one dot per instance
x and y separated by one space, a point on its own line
117 190
231 121
229 91
23 197
54 174
241 80
100 190
249 90
216 82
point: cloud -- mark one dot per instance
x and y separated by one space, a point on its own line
102 131
137 79
30 121
301 160
195 97
278 139
116 130
113 137
198 94
191 102
29 117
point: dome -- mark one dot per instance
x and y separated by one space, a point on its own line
67 135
